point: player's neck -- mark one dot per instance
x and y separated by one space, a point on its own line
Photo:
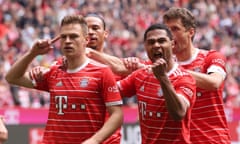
100 49
170 64
74 63
97 48
186 55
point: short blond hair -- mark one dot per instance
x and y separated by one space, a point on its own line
75 19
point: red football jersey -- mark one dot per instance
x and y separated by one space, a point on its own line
208 123
114 138
78 101
156 124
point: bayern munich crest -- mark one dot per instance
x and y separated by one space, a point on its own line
84 82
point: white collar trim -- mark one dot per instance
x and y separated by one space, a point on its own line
191 59
78 68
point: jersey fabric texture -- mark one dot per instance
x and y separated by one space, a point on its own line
114 138
208 124
78 101
156 124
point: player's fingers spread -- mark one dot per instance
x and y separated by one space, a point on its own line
34 70
160 61
125 62
154 64
37 69
135 59
140 65
33 73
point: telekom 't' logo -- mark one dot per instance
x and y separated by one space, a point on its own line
61 103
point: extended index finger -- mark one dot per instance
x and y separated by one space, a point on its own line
55 39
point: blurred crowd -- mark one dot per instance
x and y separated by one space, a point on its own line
24 21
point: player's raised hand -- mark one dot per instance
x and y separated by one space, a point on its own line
159 68
43 46
132 63
37 73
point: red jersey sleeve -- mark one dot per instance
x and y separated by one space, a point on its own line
42 84
127 85
109 88
186 86
38 79
215 62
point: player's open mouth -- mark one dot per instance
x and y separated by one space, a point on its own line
158 55
68 48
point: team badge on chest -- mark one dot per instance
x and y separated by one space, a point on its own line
84 82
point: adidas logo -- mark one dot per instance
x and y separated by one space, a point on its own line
59 83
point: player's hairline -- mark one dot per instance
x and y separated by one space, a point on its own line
97 15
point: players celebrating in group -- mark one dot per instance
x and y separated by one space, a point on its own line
179 89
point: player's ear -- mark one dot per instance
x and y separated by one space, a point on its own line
191 32
106 33
87 39
172 44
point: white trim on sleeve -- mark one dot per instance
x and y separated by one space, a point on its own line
217 69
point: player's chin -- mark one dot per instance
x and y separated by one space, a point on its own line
153 59
92 45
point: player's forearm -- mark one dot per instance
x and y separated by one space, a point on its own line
175 105
115 63
207 81
111 125
16 75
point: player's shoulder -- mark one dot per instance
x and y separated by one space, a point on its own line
210 55
214 52
97 64
181 75
59 63
55 66
181 71
210 52
214 55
